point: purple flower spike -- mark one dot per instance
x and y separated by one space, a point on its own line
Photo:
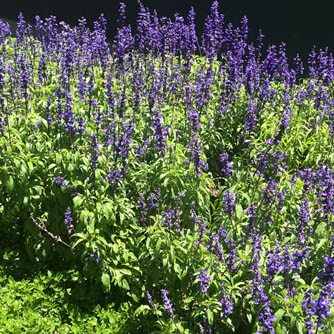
225 302
229 202
227 169
149 298
204 280
169 219
167 303
68 221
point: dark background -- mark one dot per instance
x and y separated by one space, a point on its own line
301 24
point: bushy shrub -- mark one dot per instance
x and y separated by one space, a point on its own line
196 188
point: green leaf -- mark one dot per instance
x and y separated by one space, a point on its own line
51 166
188 300
141 309
183 273
210 316
320 229
77 200
133 296
59 158
321 243
108 211
177 268
125 272
105 278
82 238
279 314
300 327
124 284
172 253
158 245
10 183
239 211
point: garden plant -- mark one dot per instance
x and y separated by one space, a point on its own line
164 182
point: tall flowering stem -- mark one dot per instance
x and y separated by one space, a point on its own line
168 306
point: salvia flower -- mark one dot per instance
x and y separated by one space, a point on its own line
273 262
149 299
114 177
266 321
327 275
226 303
252 211
158 194
212 37
227 169
214 239
204 280
308 311
4 30
160 133
169 218
94 256
60 180
202 226
143 209
231 258
319 307
151 204
167 303
201 328
68 221
251 118
229 201
195 149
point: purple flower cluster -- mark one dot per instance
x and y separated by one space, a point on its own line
204 279
195 150
68 221
252 212
202 226
259 295
169 218
114 177
168 306
149 299
251 118
321 182
229 202
60 180
319 307
304 218
231 258
226 303
227 169
287 263
160 133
